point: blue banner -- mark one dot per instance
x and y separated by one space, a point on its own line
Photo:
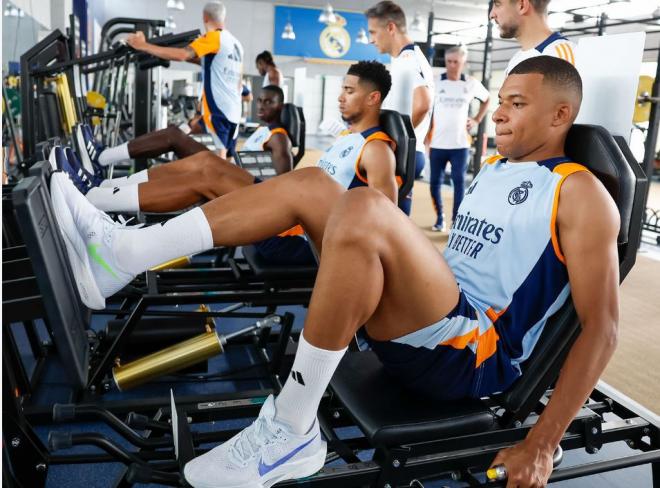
323 41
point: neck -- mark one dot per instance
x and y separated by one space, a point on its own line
400 41
548 150
216 25
453 76
367 121
533 32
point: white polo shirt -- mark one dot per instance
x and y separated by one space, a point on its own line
410 70
450 111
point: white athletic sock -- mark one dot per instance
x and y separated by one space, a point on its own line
185 128
115 199
137 250
134 179
312 370
113 155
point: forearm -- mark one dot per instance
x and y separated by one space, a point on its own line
483 108
169 53
582 369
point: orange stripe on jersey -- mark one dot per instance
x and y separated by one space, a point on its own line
492 159
561 54
565 170
206 114
493 315
486 343
293 231
571 56
376 136
209 43
276 130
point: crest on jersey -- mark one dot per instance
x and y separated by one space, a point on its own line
519 194
346 152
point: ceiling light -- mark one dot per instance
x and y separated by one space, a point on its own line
362 37
417 24
180 5
288 33
171 4
328 15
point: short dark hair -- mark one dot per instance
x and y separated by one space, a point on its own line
375 73
388 12
556 72
266 57
276 90
541 6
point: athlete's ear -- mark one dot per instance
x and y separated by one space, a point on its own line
524 6
374 98
564 114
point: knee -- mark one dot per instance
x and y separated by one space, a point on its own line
358 219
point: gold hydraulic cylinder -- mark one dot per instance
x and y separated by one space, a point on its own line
173 358
176 263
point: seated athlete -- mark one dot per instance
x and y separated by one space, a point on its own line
200 177
532 229
361 158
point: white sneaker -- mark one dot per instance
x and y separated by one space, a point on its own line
438 228
88 235
263 454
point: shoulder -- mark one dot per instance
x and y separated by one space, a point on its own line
584 201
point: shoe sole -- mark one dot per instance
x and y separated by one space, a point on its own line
301 468
79 261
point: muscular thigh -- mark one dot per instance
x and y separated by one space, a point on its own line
419 288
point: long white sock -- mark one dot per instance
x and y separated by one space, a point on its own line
137 250
115 199
115 154
134 179
312 370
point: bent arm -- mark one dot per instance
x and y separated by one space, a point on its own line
422 101
483 108
172 53
588 224
379 165
280 147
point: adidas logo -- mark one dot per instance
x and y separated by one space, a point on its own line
297 377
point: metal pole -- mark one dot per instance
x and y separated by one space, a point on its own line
602 21
143 99
652 133
485 80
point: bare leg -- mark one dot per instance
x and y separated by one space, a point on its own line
188 181
377 268
163 141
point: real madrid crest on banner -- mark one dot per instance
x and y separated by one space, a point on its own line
335 41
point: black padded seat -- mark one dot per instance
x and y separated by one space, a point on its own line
266 270
400 417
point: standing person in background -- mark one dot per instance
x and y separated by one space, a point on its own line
451 124
267 68
527 22
221 57
412 77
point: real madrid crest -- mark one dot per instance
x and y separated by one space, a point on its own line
335 41
519 194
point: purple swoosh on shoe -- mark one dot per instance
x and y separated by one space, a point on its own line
266 468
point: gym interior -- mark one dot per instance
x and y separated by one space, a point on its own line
161 259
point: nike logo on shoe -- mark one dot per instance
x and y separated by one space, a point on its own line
94 253
267 468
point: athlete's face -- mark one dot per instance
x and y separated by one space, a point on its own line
269 107
506 15
454 62
355 98
529 116
261 67
380 34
